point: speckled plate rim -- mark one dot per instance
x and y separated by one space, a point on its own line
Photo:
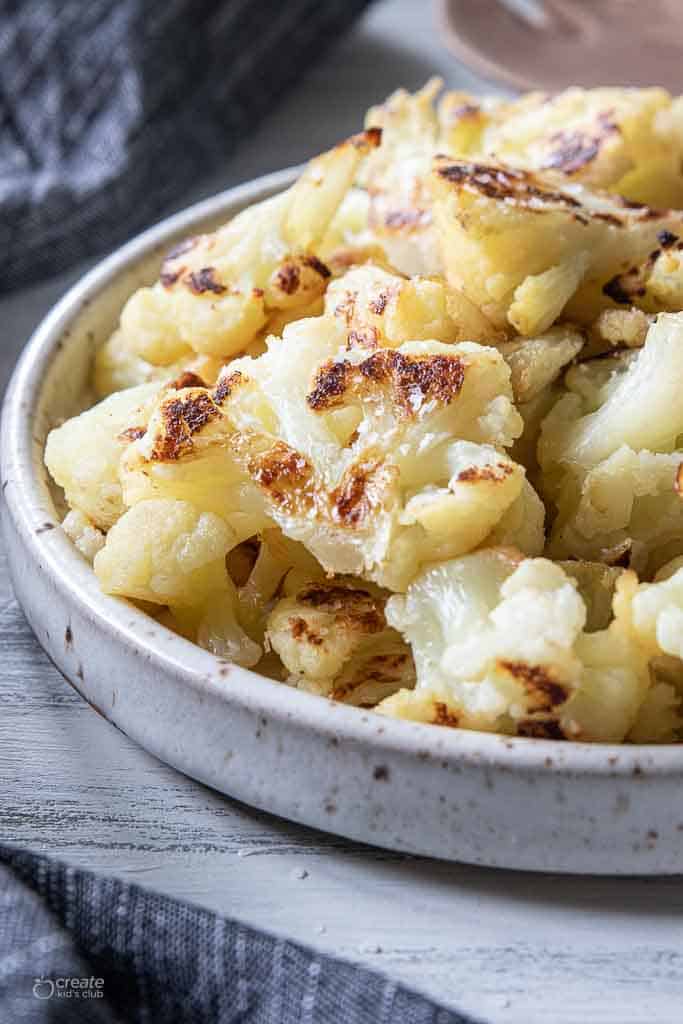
30 522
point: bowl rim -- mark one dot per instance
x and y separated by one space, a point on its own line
32 513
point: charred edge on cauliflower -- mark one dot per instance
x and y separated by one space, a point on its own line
281 471
382 669
353 501
573 150
368 339
540 729
301 630
477 474
379 303
288 276
413 380
132 434
350 606
632 283
502 183
187 379
369 139
182 417
444 716
226 385
204 280
544 691
170 274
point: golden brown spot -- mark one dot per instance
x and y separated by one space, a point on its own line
351 606
444 716
378 304
280 469
573 150
368 338
477 474
169 277
317 265
413 380
352 501
187 379
226 385
287 278
544 691
540 729
132 434
300 629
370 138
182 417
497 182
204 280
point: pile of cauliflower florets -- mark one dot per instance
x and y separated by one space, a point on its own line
409 434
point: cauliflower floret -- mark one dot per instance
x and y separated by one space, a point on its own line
376 462
186 453
83 454
395 177
609 458
537 362
117 367
167 552
84 534
656 283
374 308
333 639
616 329
499 645
524 248
215 292
615 139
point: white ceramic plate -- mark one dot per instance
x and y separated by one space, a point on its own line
518 803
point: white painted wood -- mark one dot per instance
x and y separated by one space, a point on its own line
506 947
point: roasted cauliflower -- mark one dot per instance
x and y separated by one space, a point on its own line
408 435
500 645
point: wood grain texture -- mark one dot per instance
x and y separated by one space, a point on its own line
507 947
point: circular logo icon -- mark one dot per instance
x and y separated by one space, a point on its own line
43 988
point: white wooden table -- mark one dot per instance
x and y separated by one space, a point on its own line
506 947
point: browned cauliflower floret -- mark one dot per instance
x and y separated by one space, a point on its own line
376 462
526 248
216 291
500 645
186 453
333 639
622 140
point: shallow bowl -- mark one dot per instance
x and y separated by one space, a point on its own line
458 795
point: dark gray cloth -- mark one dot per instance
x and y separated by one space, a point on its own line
140 957
110 109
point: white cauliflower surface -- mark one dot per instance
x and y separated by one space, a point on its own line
408 435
